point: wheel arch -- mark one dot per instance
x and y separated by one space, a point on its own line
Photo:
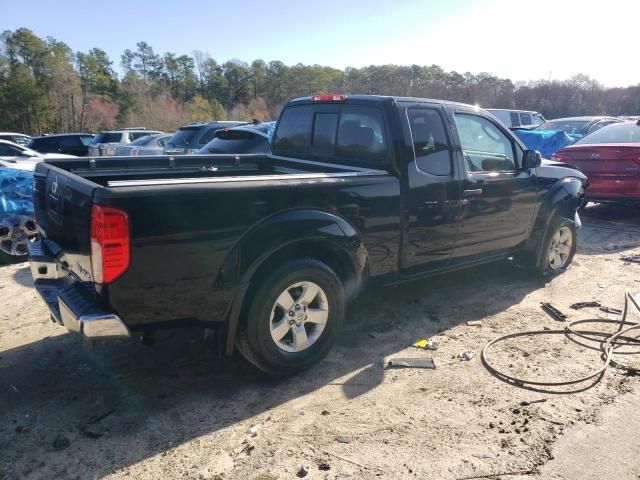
561 200
295 234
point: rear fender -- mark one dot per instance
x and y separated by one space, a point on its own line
292 234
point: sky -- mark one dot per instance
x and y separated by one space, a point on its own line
520 40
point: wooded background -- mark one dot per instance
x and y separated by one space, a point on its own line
45 87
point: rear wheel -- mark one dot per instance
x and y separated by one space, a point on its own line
293 318
559 247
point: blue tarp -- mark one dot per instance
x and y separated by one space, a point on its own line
15 192
547 142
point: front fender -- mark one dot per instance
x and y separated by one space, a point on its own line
561 199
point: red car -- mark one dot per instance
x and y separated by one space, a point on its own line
610 158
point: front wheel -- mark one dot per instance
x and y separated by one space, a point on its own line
559 247
293 318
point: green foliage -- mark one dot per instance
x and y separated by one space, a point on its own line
46 87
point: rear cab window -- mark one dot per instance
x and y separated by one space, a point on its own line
343 133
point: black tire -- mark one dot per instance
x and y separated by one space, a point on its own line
6 259
544 266
254 340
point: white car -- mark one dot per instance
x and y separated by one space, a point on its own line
517 118
18 157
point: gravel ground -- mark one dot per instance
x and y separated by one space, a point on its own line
176 410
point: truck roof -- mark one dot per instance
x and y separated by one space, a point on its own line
383 99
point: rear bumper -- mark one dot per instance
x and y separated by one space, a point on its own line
70 302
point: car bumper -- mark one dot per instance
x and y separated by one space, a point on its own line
69 301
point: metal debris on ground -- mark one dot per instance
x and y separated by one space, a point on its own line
474 323
579 305
553 312
324 467
466 355
302 472
615 311
631 258
426 344
411 363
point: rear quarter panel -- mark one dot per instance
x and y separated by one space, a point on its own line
181 236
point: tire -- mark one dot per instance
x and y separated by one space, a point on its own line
15 233
267 319
6 259
556 238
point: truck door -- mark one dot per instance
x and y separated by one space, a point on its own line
433 191
498 197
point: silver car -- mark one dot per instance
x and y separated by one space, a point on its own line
105 143
145 146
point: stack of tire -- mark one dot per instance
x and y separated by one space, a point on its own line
17 225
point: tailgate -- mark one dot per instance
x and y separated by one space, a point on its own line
62 204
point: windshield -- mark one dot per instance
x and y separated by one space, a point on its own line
107 137
183 137
616 133
568 126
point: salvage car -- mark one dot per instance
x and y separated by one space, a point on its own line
579 125
254 138
105 143
144 146
610 158
270 248
18 138
76 144
189 139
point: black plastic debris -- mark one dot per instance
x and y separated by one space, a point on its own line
426 362
553 312
579 305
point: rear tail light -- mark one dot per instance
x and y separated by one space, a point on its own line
329 97
109 243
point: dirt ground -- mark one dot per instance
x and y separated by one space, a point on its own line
176 410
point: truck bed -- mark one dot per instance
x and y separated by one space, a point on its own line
190 218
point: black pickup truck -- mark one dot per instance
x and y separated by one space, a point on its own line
271 247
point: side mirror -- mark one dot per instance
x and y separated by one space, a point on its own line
531 159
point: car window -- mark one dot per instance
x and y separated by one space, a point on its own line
136 135
324 133
525 119
485 147
44 145
515 120
107 137
8 150
233 141
538 120
628 132
208 136
162 141
361 133
293 133
86 140
70 141
430 143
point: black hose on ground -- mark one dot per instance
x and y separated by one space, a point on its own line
608 343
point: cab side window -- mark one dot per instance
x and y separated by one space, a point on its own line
485 147
515 120
361 133
430 143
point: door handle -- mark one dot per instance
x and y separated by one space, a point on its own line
472 193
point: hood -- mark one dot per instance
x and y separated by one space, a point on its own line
558 170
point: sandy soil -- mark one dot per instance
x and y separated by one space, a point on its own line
176 410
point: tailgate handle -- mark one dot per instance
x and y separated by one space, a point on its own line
472 193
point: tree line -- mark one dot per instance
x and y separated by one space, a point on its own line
46 87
